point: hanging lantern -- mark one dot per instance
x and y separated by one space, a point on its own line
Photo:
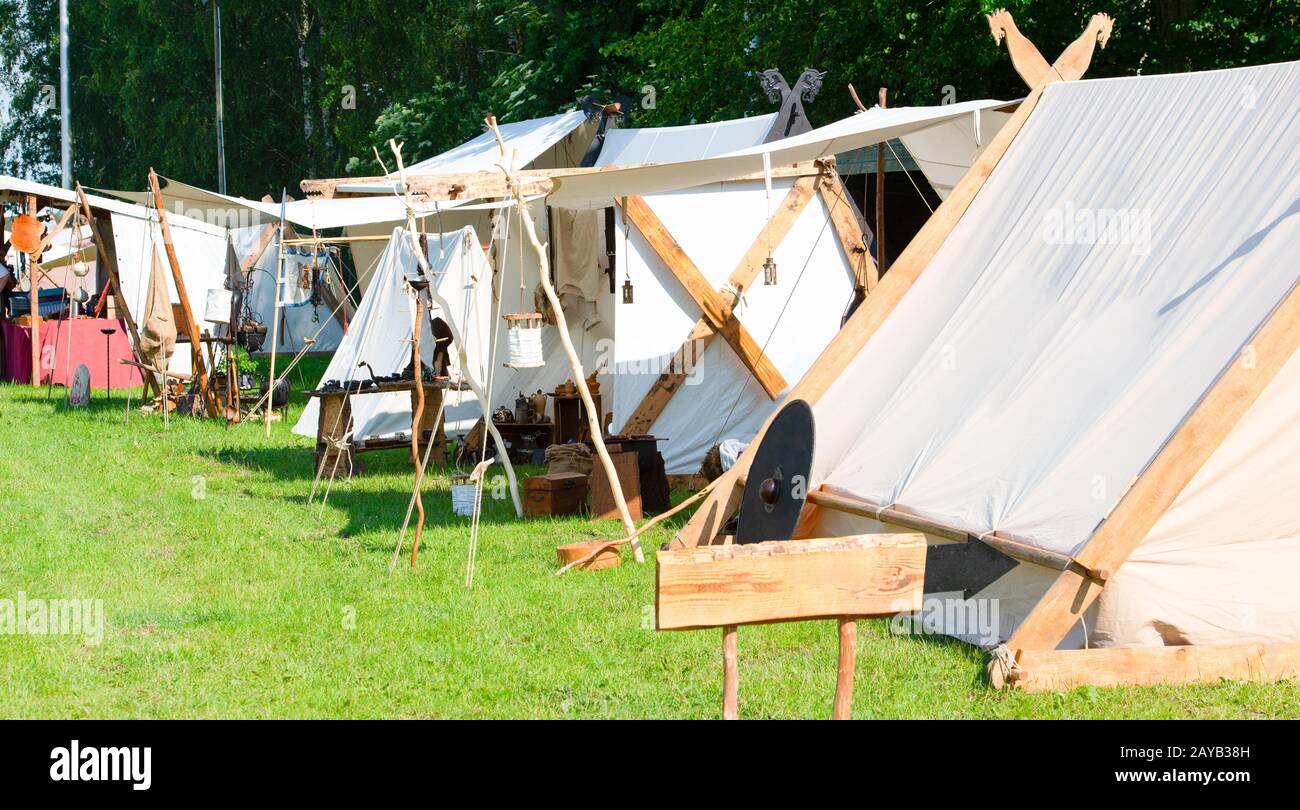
80 269
769 272
525 340
627 290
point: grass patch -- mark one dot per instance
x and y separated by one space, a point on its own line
227 595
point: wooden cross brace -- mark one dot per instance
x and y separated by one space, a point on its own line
718 306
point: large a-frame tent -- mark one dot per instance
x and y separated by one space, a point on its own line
1087 360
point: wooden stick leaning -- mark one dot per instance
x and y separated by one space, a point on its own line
187 314
417 366
656 520
579 378
275 325
457 338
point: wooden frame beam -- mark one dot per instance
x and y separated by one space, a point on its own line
772 235
1059 670
717 310
490 184
848 224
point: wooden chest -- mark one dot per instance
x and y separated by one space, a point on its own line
629 475
555 494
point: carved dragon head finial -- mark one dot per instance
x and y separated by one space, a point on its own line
1101 25
1000 24
773 84
810 83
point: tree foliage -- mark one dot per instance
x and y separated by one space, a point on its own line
312 88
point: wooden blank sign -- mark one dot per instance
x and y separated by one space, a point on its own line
840 577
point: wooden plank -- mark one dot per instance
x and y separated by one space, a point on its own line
1159 484
702 334
490 184
718 586
704 525
191 327
1058 670
717 311
848 229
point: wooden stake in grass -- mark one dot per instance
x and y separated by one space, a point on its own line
579 377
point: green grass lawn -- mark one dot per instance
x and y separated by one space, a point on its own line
226 595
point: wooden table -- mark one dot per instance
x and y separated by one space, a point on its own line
335 415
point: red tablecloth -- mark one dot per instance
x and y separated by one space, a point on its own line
66 345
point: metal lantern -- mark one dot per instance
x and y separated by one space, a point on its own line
769 272
627 290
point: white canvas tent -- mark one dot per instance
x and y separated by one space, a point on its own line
550 142
200 248
717 226
381 332
1091 356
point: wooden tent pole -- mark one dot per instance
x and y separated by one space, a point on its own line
417 417
575 364
34 298
191 328
275 329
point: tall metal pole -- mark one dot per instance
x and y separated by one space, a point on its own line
221 112
65 99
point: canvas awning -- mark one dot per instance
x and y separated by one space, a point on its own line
530 139
597 189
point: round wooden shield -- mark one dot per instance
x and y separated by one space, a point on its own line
777 484
26 237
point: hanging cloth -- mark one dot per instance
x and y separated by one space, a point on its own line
158 333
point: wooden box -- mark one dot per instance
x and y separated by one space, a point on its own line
626 466
555 494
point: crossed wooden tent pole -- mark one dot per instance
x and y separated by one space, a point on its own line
718 306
